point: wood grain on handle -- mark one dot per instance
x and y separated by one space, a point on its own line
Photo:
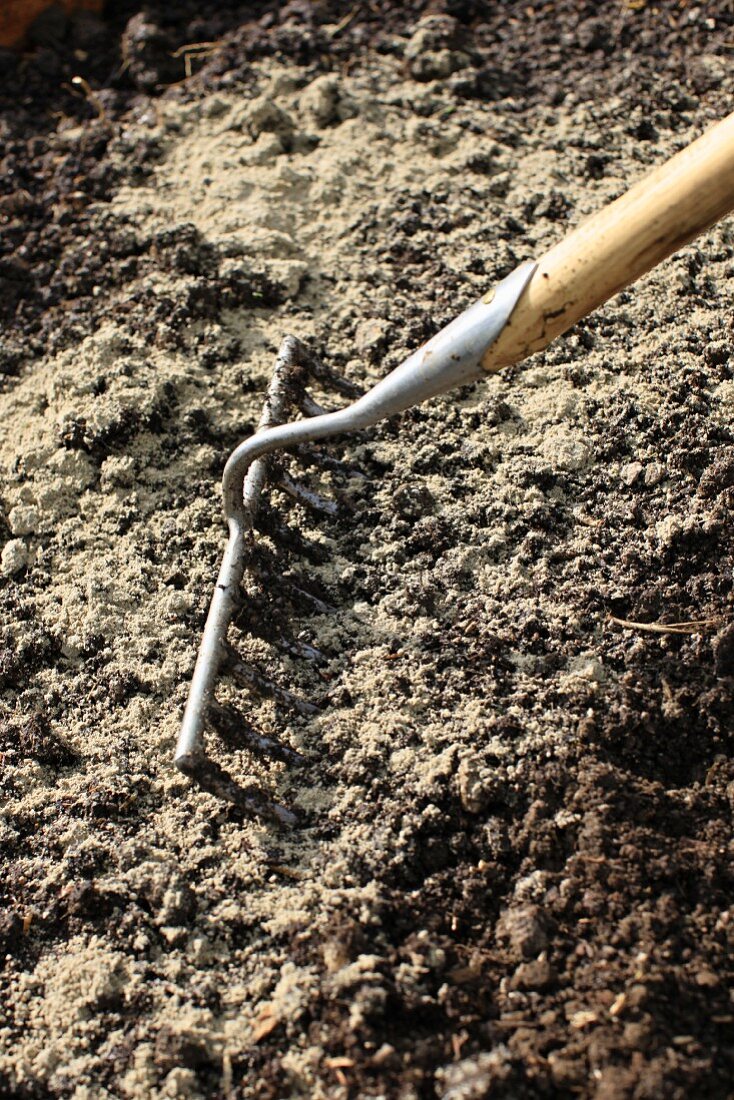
608 251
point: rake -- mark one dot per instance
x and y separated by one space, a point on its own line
526 311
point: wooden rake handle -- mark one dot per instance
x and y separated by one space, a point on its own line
608 251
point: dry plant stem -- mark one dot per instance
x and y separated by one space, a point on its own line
691 626
90 96
607 252
195 49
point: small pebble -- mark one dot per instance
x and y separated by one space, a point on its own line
24 519
523 929
630 472
324 100
654 474
432 52
264 116
14 557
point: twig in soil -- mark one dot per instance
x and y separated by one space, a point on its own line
287 872
689 626
195 49
588 521
343 23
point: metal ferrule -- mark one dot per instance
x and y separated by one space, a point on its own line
449 359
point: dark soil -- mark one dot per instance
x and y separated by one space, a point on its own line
562 927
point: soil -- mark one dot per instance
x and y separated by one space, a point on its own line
511 875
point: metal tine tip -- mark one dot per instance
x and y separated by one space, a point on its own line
291 592
319 606
264 571
253 618
309 407
250 800
297 648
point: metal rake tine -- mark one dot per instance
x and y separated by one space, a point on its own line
316 368
312 456
258 627
261 685
264 568
310 499
212 777
190 757
234 728
263 571
309 407
319 606
268 522
296 648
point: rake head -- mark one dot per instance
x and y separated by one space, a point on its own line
295 368
451 358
